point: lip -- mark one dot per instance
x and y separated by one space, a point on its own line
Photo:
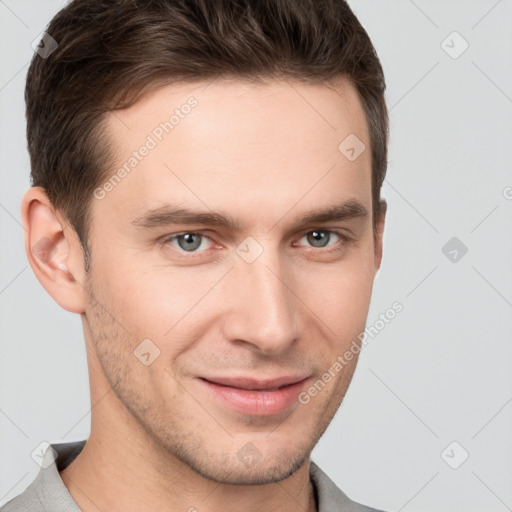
253 396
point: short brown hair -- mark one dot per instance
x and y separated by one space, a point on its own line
111 51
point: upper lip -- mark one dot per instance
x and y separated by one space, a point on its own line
256 384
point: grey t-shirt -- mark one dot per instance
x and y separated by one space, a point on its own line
47 493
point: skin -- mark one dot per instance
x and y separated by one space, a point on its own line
264 154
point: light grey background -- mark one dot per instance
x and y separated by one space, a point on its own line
439 372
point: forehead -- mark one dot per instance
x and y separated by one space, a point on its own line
240 146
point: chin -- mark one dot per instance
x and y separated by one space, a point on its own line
233 471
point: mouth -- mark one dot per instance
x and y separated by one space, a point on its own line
254 396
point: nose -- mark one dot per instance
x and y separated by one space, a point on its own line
262 306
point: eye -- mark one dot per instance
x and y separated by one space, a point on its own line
187 242
320 238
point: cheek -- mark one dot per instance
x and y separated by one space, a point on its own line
340 294
155 300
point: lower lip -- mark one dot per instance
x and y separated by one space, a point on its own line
256 403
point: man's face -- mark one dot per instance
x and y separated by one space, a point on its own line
271 296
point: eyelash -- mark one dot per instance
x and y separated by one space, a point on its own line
344 239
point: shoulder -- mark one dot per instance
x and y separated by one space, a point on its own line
27 501
330 497
47 491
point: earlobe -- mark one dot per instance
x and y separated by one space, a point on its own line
51 246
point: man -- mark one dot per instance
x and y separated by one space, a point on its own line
206 196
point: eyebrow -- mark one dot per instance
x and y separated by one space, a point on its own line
167 214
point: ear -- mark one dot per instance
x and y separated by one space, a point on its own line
379 228
53 250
